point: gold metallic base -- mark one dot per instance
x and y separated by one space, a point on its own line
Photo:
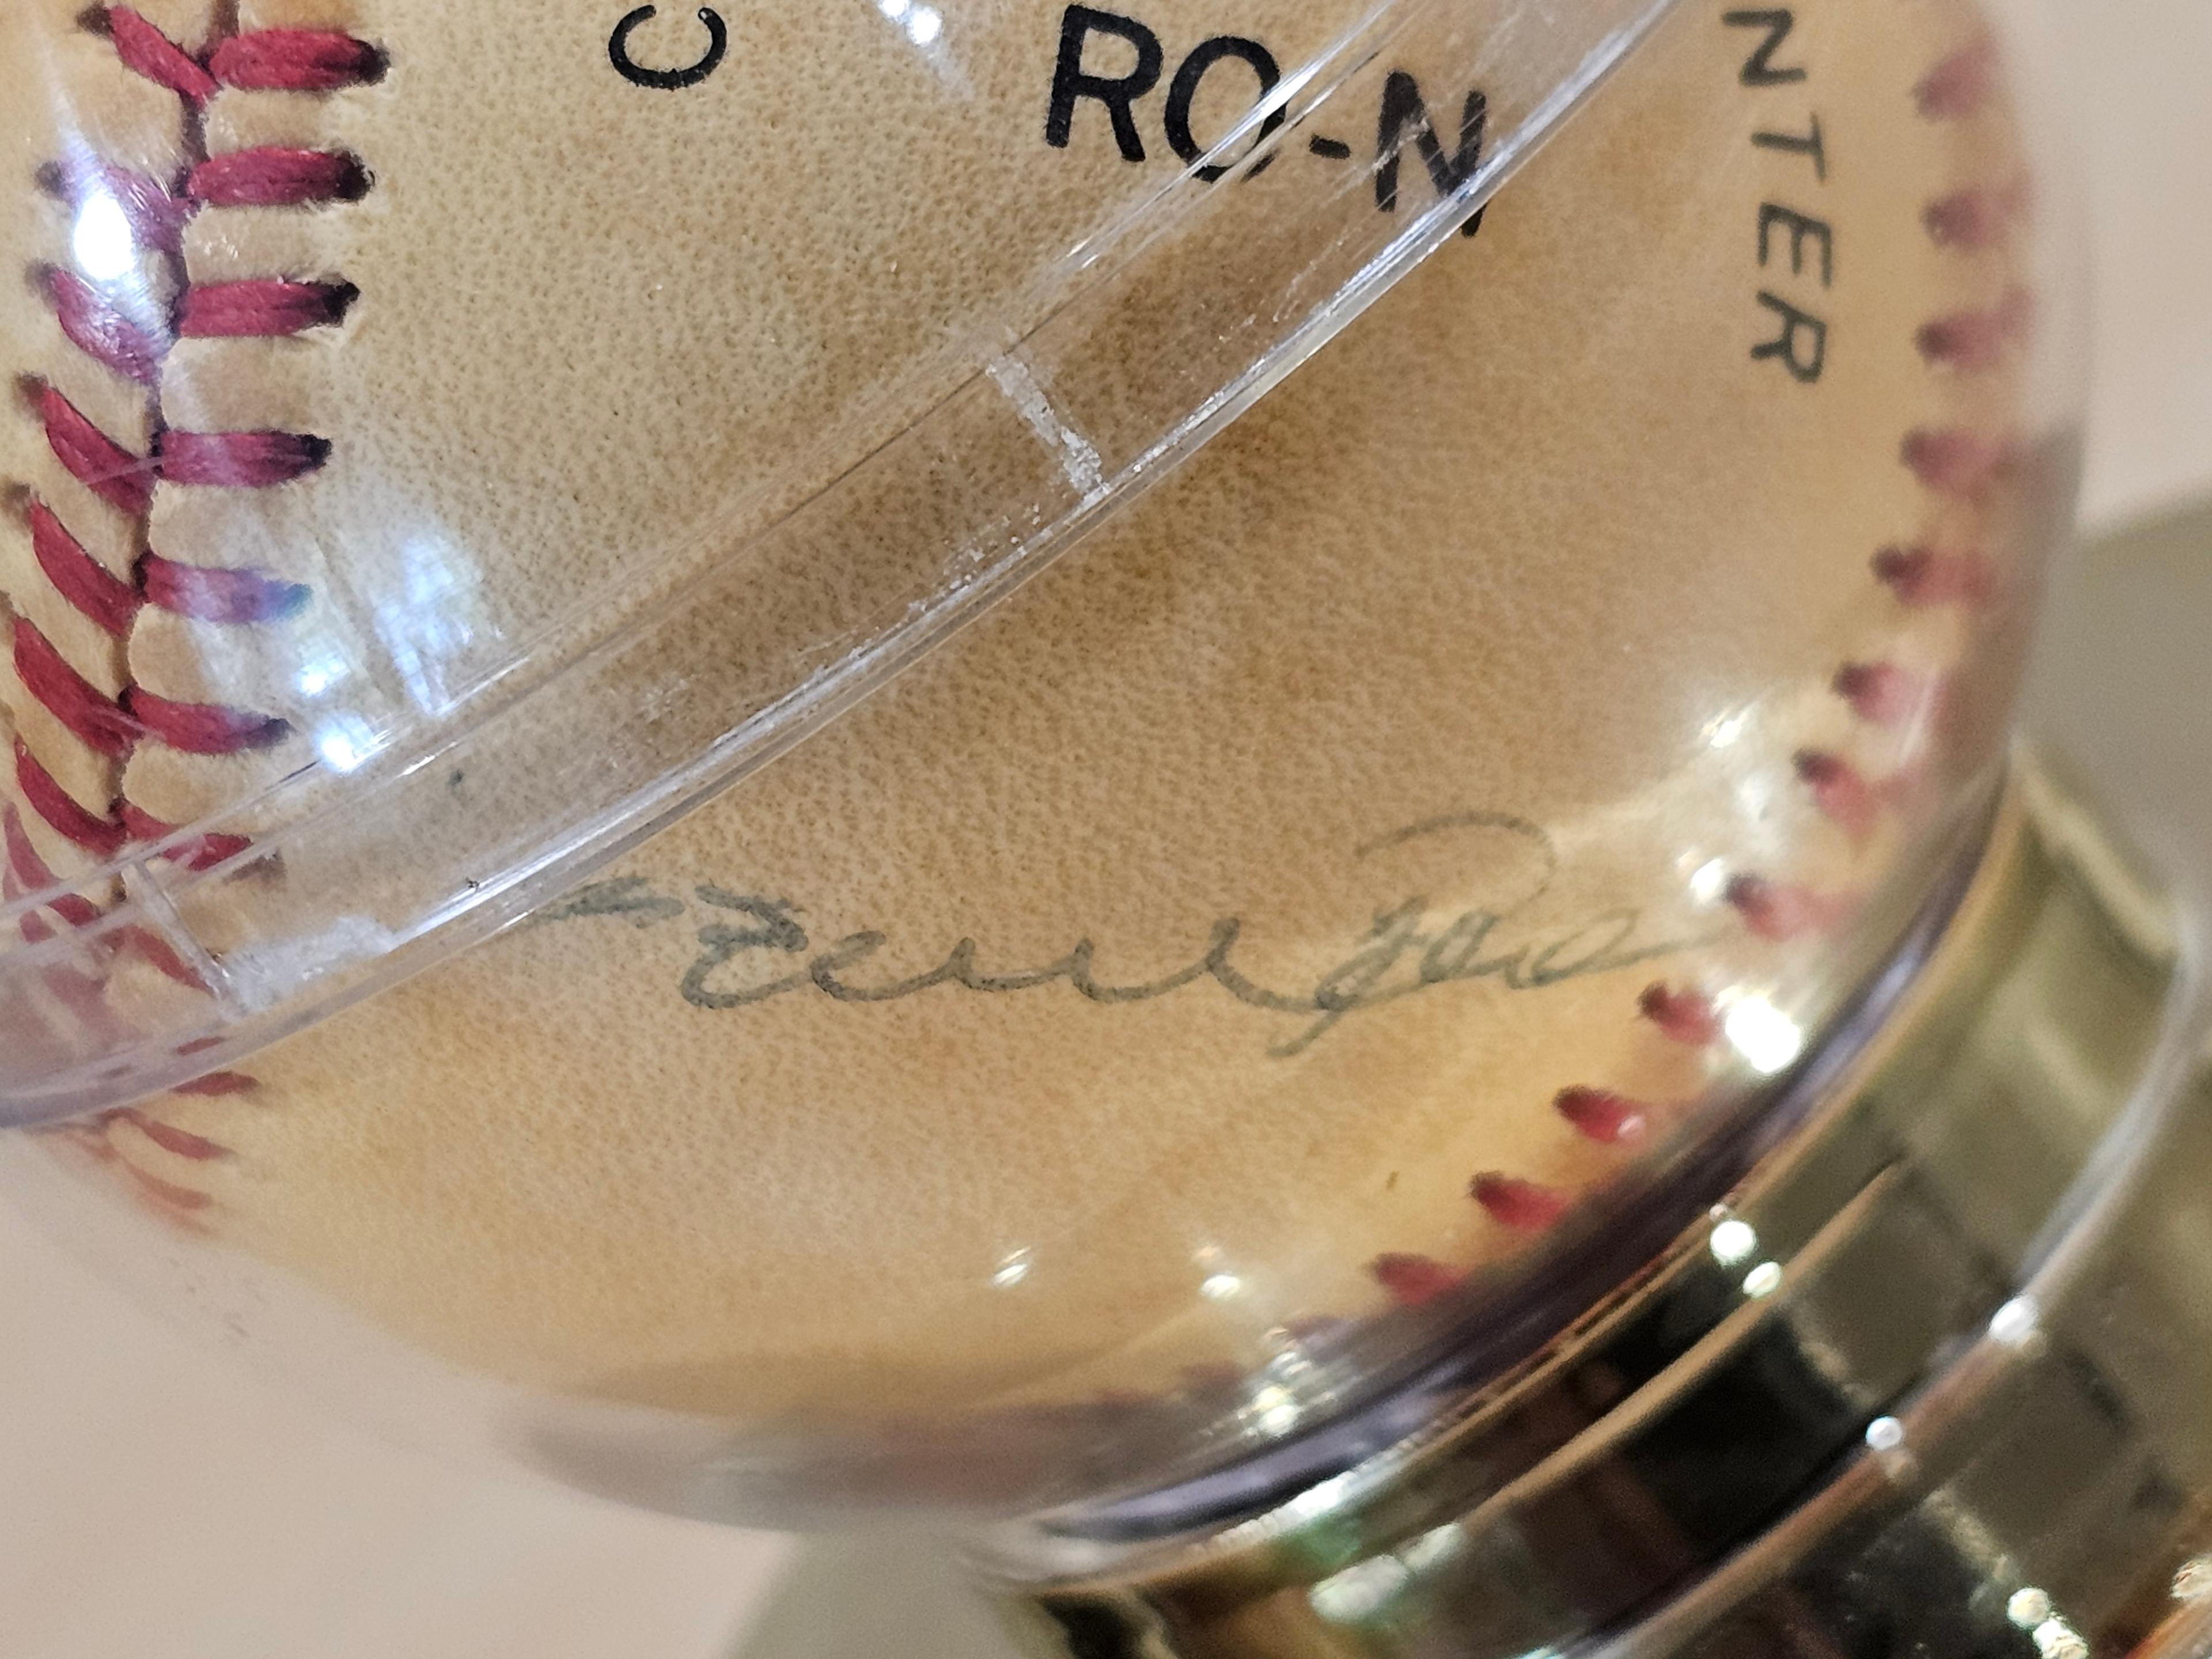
1938 1380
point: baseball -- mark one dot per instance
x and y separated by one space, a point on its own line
1512 737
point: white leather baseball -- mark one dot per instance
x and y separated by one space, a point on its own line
1251 921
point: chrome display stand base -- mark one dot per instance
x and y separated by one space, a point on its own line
1936 1380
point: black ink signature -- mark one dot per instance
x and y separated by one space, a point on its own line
1407 948
668 80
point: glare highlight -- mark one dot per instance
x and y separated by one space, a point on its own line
1734 1243
1768 1039
922 24
101 241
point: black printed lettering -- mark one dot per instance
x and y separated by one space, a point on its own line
1799 329
1759 69
1071 81
668 80
1184 91
1811 144
1803 229
1405 113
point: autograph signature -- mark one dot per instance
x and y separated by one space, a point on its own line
1409 947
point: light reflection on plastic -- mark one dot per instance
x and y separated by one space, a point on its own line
101 241
1432 1549
1734 1242
1366 1588
1709 881
1884 1434
1275 1410
324 667
1723 733
344 744
1361 1590
2030 1609
1320 1498
433 621
1219 1287
922 23
1013 1271
1763 1281
2016 1322
1768 1039
2192 1581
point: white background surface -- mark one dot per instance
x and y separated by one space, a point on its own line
157 1503
2143 115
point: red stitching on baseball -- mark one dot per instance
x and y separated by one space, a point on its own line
217 1085
25 866
70 698
1881 693
147 52
1601 1115
157 219
103 326
1684 1016
84 994
1971 341
96 1140
186 1199
1974 219
204 728
1968 220
201 853
178 1143
1949 461
1960 85
1840 789
89 587
295 60
1778 911
263 309
151 948
68 819
1923 576
277 177
89 1138
1413 1281
100 330
208 595
123 480
1524 1205
240 460
271 60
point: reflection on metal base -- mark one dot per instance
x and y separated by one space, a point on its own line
1937 1381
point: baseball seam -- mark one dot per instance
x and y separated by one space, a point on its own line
1952 464
132 334
118 326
